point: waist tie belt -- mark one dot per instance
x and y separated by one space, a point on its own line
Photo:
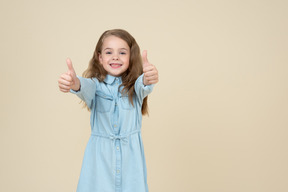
123 138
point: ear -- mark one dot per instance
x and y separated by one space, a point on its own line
100 58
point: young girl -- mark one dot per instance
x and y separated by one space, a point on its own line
115 88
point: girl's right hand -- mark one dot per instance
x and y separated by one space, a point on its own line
69 80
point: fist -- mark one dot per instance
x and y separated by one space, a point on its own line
149 70
69 79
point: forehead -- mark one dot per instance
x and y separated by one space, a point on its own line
114 42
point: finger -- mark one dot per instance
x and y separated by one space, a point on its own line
70 66
151 78
66 77
144 57
148 68
64 82
65 90
64 87
61 86
150 73
148 83
152 82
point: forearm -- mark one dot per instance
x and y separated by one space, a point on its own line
141 89
86 89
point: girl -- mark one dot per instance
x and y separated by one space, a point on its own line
115 89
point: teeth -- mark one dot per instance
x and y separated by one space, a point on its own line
115 65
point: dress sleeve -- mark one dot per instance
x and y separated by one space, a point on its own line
142 90
87 90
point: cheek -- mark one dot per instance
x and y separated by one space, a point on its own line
103 60
128 59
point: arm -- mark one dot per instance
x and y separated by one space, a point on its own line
87 90
145 82
142 90
82 87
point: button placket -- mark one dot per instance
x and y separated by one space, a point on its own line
117 82
117 138
118 164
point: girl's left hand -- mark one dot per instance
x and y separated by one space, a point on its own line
149 70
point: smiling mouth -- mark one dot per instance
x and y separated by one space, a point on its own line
115 65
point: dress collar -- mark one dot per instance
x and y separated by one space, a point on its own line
109 79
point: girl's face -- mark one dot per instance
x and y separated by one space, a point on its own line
115 55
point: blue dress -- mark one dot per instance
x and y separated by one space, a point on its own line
114 159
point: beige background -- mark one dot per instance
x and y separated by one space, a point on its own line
218 117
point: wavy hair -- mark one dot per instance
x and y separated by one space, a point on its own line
135 69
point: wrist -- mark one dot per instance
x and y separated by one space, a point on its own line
77 85
144 81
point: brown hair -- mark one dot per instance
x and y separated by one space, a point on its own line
95 69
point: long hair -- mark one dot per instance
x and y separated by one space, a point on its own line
135 69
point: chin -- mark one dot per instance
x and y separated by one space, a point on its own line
115 74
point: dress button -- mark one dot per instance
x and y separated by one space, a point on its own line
117 147
115 125
118 171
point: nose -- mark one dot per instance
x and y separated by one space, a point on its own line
115 56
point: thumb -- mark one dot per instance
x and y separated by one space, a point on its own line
70 66
145 59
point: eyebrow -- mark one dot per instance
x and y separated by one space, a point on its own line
111 48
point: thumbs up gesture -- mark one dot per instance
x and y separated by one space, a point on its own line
69 79
149 70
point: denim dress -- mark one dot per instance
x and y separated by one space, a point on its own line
114 159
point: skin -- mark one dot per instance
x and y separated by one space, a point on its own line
149 70
69 79
114 56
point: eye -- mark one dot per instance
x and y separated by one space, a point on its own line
108 52
122 53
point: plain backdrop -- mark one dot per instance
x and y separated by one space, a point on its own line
218 116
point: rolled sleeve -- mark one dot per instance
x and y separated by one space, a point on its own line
87 90
142 90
